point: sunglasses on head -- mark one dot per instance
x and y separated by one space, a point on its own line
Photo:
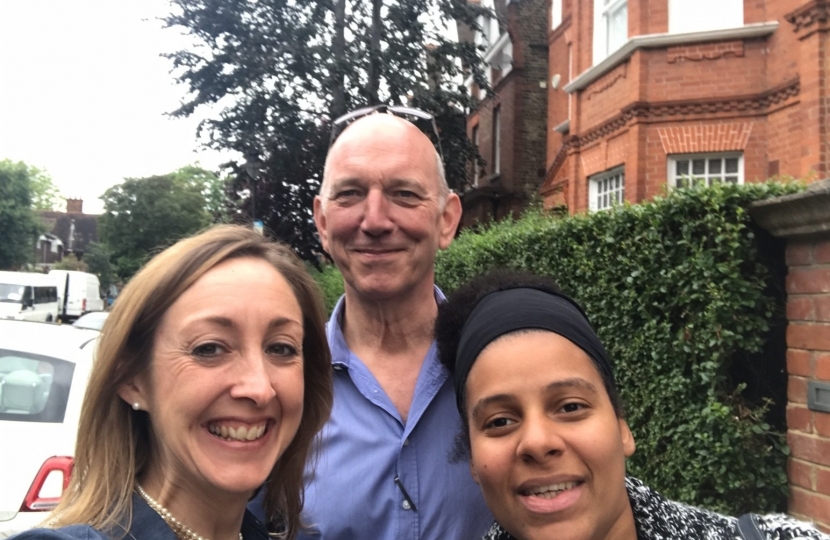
420 119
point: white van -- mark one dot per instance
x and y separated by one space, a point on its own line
28 296
78 293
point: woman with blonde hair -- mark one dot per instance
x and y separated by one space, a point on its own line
211 379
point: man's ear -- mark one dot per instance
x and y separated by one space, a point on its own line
450 218
320 222
627 439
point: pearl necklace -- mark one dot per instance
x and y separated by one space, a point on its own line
182 531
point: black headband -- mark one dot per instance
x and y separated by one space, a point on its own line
506 311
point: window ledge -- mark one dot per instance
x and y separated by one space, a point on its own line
649 41
500 43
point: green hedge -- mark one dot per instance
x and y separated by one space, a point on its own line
677 293
331 284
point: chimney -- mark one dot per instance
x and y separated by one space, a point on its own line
74 206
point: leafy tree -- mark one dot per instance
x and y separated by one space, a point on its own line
71 262
45 195
97 258
286 69
18 225
144 215
212 187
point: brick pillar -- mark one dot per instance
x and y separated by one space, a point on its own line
804 220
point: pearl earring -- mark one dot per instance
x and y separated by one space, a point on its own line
137 406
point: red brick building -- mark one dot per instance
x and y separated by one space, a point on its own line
643 96
509 127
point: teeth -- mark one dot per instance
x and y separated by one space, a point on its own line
240 433
551 491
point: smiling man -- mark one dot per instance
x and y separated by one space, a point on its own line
383 212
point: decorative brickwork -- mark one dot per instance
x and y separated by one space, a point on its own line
705 51
607 81
814 15
690 139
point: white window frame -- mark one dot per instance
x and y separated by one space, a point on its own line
606 189
555 14
497 140
703 15
677 179
489 25
604 11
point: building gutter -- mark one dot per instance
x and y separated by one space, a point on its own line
650 41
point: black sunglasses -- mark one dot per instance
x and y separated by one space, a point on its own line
420 119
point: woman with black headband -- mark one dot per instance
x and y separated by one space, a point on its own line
545 430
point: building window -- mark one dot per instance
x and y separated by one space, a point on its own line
606 189
497 140
703 15
555 14
610 27
476 172
705 169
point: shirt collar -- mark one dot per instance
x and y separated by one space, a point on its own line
340 352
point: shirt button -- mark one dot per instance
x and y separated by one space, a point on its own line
406 505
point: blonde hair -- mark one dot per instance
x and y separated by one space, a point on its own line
114 442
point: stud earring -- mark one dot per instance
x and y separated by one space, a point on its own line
137 406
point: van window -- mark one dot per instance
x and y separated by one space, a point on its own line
33 388
45 295
11 293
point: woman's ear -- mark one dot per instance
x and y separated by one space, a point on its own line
132 392
473 473
627 439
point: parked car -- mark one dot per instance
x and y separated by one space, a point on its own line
28 296
44 370
78 292
93 319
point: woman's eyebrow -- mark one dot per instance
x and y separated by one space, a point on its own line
572 382
490 400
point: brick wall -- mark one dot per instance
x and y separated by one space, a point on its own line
808 358
804 219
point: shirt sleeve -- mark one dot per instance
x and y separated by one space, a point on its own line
75 532
783 527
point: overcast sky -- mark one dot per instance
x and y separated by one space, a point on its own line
83 92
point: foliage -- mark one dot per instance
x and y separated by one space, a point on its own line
45 195
71 262
145 215
283 70
97 258
330 281
212 187
677 293
18 223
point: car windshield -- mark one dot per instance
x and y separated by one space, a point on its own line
33 388
11 293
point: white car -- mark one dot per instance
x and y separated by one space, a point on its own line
44 369
93 319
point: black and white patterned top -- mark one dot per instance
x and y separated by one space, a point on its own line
658 518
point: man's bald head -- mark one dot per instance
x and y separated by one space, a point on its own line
384 130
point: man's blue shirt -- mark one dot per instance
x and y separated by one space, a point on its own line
352 492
